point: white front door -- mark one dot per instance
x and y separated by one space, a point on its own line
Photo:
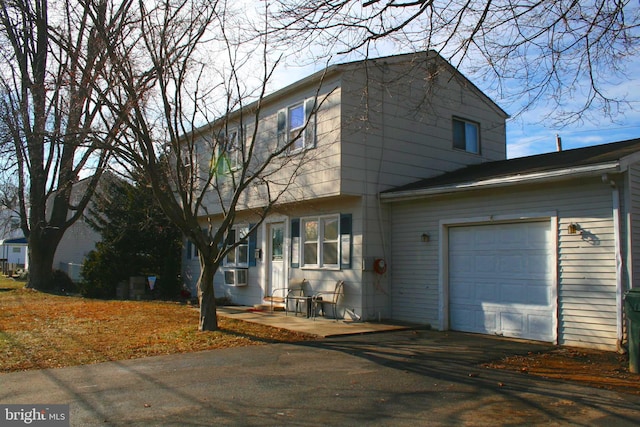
276 259
500 280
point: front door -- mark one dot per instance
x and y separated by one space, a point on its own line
276 260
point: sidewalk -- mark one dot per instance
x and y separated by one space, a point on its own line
320 326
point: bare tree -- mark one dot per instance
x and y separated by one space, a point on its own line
190 62
561 54
53 57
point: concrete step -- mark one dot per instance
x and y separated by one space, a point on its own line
266 306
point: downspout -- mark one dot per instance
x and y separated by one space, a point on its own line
617 232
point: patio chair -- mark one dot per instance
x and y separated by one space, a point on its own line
284 295
298 294
323 299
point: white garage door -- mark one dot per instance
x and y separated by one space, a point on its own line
500 280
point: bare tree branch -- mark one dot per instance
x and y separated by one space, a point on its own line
562 53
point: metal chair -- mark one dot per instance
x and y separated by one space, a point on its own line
328 298
299 295
293 292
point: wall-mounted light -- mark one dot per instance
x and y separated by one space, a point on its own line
573 228
258 253
425 237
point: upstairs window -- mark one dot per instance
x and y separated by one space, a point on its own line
297 126
466 135
234 154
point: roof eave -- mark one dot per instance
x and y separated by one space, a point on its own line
531 178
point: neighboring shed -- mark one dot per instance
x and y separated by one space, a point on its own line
540 247
13 255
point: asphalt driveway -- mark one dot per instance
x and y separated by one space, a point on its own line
389 379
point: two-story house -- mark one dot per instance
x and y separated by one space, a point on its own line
367 126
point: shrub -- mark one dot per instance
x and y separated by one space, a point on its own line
61 282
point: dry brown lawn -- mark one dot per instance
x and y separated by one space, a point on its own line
40 330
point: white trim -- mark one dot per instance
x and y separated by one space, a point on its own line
266 242
443 276
241 233
553 241
320 243
617 232
537 177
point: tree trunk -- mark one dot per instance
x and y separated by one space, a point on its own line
41 253
206 297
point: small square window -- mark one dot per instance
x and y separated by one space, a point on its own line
296 126
466 135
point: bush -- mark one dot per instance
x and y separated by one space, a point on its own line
137 240
100 275
61 282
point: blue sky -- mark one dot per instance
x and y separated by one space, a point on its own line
525 139
527 136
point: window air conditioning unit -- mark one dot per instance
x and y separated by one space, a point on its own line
236 277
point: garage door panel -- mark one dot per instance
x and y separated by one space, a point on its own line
538 265
513 293
486 321
487 292
463 293
512 264
486 264
485 238
500 281
512 323
538 294
463 264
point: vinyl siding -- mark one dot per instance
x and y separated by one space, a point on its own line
319 279
586 262
397 125
634 224
316 170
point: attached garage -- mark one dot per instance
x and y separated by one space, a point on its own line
541 247
501 280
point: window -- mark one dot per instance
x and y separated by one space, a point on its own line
239 256
320 241
192 250
234 153
297 126
466 135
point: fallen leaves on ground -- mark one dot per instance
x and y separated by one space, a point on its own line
602 369
40 330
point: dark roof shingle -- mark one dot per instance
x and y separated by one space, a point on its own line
578 157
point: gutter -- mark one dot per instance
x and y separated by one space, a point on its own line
617 233
504 181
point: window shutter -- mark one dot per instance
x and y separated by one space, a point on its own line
295 243
253 240
310 130
346 240
282 128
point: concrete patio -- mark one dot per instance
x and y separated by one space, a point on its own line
320 326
